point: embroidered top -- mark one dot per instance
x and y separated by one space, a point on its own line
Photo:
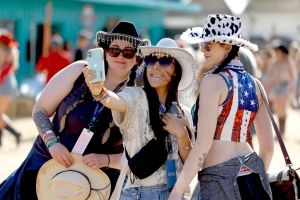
238 111
136 131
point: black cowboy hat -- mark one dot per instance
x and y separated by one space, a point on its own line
124 30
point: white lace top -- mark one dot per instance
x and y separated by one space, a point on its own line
136 132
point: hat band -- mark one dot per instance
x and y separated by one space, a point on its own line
95 189
103 37
87 178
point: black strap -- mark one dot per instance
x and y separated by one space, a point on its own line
287 159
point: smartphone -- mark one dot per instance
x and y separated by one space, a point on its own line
95 59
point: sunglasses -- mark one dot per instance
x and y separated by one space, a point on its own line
164 61
205 46
127 53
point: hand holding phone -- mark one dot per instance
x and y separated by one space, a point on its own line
95 61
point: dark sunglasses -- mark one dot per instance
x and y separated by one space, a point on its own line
115 52
205 46
164 61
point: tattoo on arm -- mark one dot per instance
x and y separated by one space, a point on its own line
201 160
42 122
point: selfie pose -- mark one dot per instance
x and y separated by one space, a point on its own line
230 101
155 129
67 97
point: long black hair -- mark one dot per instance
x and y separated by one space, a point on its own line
153 101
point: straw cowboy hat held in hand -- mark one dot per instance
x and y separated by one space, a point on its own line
55 182
219 28
183 57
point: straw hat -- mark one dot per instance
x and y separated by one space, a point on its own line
55 182
219 28
184 58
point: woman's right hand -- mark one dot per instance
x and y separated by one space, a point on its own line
61 154
89 75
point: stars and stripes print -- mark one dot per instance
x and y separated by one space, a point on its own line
238 112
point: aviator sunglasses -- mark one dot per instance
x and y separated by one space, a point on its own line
115 52
164 61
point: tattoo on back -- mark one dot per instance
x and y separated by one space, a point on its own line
41 121
201 160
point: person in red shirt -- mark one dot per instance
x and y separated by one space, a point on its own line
55 60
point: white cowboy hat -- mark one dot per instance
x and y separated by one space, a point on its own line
184 58
219 28
55 182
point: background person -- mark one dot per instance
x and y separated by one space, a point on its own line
9 61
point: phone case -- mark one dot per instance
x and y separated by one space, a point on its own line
95 60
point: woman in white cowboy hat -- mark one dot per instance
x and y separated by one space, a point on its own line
230 102
143 115
67 97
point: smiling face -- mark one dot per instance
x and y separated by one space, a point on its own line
117 63
214 53
160 75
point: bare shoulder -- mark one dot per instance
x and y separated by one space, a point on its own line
213 82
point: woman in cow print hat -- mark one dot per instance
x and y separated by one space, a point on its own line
229 102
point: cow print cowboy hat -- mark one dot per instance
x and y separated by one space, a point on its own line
219 28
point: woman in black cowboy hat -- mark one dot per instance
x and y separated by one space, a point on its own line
67 97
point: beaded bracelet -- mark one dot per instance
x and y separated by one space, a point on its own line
103 95
47 134
51 142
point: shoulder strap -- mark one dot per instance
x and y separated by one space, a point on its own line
287 159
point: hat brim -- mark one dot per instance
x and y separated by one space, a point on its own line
99 181
104 37
230 40
184 58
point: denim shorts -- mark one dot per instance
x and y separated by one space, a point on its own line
222 181
156 192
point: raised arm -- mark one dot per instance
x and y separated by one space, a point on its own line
106 97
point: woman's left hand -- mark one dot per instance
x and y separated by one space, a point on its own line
95 160
174 125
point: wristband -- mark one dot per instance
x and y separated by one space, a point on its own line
103 94
52 142
46 134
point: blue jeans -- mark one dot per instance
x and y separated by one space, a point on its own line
156 192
